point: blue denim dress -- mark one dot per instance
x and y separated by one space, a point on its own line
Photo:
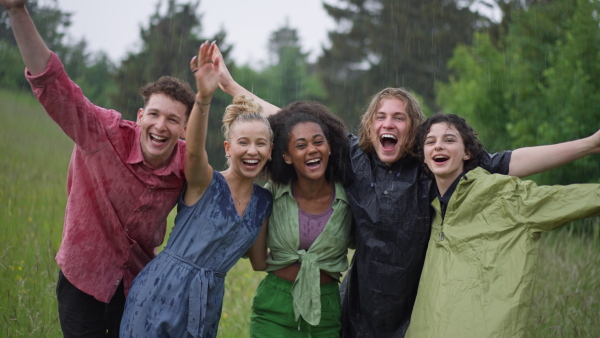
180 292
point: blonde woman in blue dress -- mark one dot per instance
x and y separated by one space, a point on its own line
180 292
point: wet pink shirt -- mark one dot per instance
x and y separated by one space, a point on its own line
117 205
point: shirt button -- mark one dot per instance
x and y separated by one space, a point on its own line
126 229
150 190
390 172
385 192
138 209
125 266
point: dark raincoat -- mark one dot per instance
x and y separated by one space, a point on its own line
392 213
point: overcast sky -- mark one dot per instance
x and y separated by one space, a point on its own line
114 25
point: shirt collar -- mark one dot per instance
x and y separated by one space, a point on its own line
137 157
340 192
446 198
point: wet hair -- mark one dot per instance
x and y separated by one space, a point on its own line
413 111
472 144
333 128
243 109
172 87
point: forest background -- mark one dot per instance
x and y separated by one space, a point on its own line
531 78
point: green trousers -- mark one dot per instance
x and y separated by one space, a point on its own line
273 312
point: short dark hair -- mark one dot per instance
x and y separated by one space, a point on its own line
172 87
335 132
472 144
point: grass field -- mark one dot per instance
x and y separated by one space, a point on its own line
34 163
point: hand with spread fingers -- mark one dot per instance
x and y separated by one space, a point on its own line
206 72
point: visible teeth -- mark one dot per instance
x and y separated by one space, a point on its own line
440 157
159 138
251 161
313 161
388 136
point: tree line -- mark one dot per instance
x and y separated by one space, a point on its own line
532 77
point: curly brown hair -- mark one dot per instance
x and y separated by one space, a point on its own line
473 146
172 87
335 132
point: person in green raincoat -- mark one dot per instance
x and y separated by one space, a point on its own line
483 250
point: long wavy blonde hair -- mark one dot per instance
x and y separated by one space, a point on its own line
413 111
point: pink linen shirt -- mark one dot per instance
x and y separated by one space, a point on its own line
117 205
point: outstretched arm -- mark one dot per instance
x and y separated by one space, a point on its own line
198 172
532 160
33 50
229 86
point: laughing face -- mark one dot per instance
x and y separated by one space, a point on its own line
444 151
249 148
308 151
163 124
387 132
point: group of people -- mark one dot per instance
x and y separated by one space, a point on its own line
445 236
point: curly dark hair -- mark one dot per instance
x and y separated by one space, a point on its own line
172 87
472 144
335 131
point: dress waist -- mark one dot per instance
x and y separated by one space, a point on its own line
192 265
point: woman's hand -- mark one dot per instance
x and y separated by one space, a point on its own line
206 71
226 81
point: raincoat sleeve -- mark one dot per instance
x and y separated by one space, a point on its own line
549 207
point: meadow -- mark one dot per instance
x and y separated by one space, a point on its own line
34 160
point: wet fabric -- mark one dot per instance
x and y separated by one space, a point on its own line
180 292
273 314
117 205
482 257
328 252
391 207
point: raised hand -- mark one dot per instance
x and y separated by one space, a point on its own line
226 80
10 4
206 71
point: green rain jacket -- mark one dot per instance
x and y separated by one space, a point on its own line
328 252
482 257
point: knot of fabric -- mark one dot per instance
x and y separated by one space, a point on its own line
306 290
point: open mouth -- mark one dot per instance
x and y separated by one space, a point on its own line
440 159
158 139
388 141
314 163
250 164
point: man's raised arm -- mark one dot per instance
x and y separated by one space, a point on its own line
33 50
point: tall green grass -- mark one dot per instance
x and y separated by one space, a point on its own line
33 166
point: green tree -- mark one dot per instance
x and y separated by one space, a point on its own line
387 43
51 22
290 77
169 42
534 81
